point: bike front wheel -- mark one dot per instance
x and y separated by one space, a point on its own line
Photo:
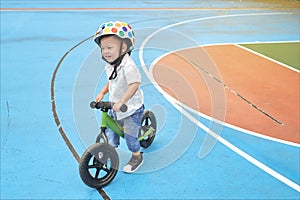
99 165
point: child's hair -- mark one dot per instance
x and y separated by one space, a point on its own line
128 44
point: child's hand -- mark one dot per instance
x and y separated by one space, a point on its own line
117 106
99 97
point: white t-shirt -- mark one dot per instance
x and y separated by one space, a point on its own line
127 73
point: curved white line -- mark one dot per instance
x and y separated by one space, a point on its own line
268 58
177 104
260 135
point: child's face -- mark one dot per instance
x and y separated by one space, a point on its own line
110 48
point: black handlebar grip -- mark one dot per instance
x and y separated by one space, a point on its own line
98 105
93 104
123 108
107 105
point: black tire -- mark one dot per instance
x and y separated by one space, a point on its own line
148 120
99 165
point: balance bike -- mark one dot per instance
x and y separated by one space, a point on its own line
99 164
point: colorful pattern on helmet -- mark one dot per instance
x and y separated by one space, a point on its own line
121 29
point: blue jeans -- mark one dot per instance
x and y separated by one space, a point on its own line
131 126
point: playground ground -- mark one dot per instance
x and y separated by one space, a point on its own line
221 76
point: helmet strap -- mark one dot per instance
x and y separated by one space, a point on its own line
117 62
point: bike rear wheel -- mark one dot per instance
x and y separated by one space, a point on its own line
148 120
99 165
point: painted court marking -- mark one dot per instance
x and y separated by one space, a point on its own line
56 118
264 86
179 107
268 58
201 114
237 94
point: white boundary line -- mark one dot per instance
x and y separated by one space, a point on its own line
241 129
176 104
266 57
238 44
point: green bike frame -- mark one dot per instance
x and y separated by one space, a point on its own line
109 122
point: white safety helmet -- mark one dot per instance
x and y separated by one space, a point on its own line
118 28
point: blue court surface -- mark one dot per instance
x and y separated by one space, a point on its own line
51 69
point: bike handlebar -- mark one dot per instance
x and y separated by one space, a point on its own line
106 105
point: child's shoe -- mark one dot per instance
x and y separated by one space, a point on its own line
134 163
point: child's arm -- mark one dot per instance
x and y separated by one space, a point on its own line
102 92
132 88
